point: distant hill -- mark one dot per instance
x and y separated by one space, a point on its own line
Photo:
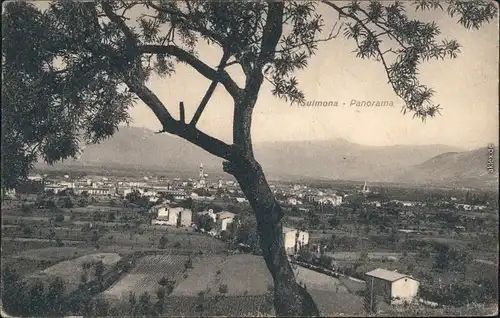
343 160
140 148
463 169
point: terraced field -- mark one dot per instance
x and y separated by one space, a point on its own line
146 274
71 271
319 282
229 306
243 274
53 253
201 277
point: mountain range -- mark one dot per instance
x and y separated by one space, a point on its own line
133 147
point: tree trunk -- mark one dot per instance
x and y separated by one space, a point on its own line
290 299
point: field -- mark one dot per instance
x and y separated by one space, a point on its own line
33 260
246 277
227 306
318 282
223 283
145 276
72 270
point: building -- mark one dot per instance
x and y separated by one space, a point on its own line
223 219
202 181
185 217
100 191
292 241
393 287
167 215
366 190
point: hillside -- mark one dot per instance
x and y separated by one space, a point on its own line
133 147
463 169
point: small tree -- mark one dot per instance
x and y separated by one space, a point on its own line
333 221
144 305
188 264
167 285
99 272
101 307
160 303
223 289
369 298
132 301
26 208
163 242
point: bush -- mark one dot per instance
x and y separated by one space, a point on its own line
223 289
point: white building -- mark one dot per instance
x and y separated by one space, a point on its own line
99 191
36 177
394 287
223 219
186 217
292 241
167 215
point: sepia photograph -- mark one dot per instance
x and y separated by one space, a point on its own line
265 158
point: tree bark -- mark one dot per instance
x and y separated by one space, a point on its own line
290 299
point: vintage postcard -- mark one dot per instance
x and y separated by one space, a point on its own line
249 158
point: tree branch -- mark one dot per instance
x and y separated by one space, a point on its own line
210 90
169 124
272 32
205 70
208 143
186 18
182 113
119 22
380 54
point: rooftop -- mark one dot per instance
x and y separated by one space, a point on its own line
225 214
387 275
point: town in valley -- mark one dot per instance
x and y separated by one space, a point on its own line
192 240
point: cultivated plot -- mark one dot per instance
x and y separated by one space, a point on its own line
71 271
146 275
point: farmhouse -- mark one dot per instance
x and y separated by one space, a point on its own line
186 217
223 219
292 241
394 287
167 215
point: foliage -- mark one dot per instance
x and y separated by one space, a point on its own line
66 202
163 242
167 285
136 198
205 222
225 235
223 289
369 299
333 221
448 258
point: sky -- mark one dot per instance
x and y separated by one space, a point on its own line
466 88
